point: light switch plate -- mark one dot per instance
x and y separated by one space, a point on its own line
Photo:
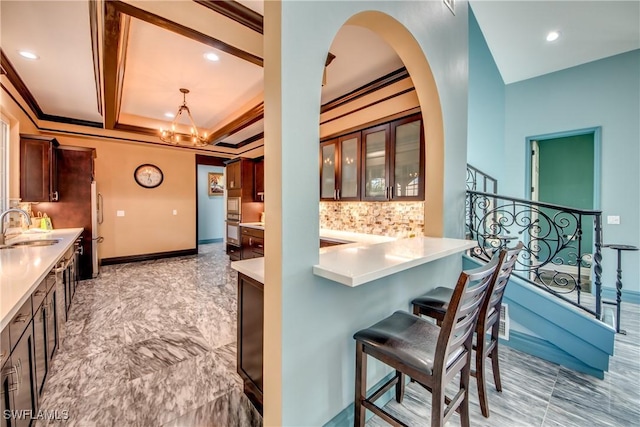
175 212
119 213
613 219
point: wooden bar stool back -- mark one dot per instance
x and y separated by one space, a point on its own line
431 355
434 304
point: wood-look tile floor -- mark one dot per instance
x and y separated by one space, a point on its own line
540 393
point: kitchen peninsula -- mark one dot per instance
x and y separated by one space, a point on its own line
365 258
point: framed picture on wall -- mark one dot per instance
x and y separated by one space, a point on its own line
216 186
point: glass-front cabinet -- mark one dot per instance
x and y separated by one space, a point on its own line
384 162
340 168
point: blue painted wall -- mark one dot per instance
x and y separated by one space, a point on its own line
210 208
485 146
602 93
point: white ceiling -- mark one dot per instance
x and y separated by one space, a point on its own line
159 62
589 30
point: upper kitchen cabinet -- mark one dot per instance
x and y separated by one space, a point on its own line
240 173
259 180
393 160
340 168
38 178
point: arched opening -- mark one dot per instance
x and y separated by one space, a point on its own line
371 96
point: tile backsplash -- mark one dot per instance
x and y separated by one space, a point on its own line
397 219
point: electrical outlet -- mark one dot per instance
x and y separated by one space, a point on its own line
613 219
119 213
175 212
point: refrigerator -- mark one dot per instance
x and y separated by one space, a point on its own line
79 204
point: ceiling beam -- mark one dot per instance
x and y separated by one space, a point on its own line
241 144
248 118
94 17
111 62
237 12
162 22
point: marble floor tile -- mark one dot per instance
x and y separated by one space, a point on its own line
167 349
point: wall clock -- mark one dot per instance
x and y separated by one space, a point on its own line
148 176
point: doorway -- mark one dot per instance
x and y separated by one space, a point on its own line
564 169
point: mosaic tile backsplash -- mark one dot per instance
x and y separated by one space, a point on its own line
397 219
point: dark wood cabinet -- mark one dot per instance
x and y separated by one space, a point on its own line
21 381
250 337
252 243
259 180
234 181
380 163
38 177
340 168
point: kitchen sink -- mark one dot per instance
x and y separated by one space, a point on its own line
40 242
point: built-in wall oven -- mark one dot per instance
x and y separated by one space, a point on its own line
233 230
234 205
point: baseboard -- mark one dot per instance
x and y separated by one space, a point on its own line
207 241
547 351
346 417
147 257
627 295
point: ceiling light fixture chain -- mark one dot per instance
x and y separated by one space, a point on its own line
172 136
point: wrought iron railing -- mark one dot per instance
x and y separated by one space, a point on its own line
480 181
562 252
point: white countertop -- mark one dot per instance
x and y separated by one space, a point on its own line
369 257
256 225
356 265
22 268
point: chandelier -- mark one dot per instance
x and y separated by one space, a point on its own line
172 136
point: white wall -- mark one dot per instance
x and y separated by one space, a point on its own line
210 208
309 321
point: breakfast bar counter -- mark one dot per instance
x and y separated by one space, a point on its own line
368 257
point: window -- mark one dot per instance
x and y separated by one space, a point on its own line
4 165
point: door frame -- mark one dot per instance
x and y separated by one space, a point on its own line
597 158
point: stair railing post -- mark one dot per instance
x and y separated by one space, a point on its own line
597 260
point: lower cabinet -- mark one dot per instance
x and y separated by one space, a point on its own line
250 337
28 345
252 243
19 395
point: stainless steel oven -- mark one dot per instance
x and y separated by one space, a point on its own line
233 230
234 206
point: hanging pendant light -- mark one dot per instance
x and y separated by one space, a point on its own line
172 136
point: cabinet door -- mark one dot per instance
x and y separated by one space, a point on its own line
51 318
37 170
8 377
233 176
374 163
40 347
250 334
259 181
24 393
328 170
407 160
349 167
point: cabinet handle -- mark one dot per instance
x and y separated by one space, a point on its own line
391 192
250 241
55 196
386 193
259 246
338 191
13 370
21 318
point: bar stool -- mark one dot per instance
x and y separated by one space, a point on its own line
434 304
431 355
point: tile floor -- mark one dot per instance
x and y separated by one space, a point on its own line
153 344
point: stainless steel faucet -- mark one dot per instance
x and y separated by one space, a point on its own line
4 214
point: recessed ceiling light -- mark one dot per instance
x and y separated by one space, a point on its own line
28 55
553 36
211 56
170 115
